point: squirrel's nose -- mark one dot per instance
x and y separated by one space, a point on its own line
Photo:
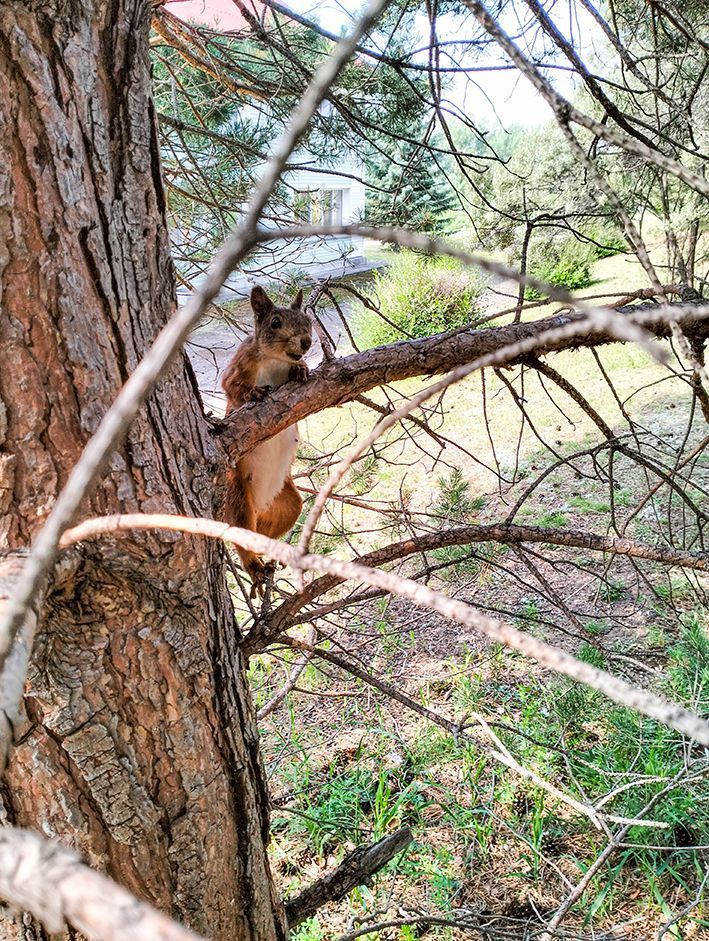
305 343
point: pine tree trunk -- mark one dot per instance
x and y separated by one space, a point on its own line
141 748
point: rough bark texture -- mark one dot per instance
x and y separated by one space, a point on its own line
142 748
79 895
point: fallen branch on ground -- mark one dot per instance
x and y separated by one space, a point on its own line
356 869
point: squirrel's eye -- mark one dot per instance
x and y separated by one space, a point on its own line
275 323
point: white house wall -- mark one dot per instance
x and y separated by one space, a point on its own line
310 256
283 261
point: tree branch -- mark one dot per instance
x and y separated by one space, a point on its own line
503 533
14 669
343 379
52 883
356 869
648 703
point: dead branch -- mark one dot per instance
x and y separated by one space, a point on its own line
613 844
503 533
356 869
290 684
565 112
462 921
173 31
51 882
14 669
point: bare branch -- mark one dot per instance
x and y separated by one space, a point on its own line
664 711
275 701
52 883
567 329
503 533
564 111
356 869
14 670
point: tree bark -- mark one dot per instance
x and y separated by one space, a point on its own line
142 748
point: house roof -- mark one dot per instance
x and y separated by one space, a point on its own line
222 14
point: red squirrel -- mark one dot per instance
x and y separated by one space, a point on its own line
260 493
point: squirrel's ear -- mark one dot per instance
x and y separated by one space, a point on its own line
261 303
297 300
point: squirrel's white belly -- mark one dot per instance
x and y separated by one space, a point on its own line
269 463
268 466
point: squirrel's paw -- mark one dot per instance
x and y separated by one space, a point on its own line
259 393
259 573
299 372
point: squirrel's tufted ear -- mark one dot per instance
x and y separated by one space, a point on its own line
261 303
297 300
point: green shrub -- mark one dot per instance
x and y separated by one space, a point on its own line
455 503
607 240
419 296
567 264
564 259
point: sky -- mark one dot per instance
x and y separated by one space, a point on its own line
491 99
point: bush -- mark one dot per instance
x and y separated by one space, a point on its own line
607 240
566 263
419 296
566 260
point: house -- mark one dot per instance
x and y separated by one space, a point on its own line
319 194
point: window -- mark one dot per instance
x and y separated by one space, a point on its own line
331 206
303 206
320 207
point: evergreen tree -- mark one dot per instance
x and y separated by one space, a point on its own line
407 188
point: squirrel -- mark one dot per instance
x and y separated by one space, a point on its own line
260 493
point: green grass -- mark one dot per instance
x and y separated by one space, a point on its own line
309 930
677 588
587 505
497 823
553 519
355 805
596 628
611 590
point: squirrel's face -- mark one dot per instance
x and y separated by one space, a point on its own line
285 333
